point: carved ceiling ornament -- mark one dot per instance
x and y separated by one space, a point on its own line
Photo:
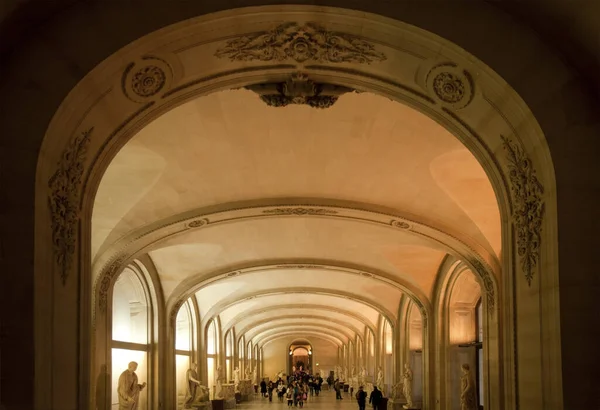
300 211
529 207
63 201
299 89
105 284
450 85
301 42
146 79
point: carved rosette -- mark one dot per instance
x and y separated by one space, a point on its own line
300 211
147 79
488 284
450 85
63 201
302 43
529 208
107 278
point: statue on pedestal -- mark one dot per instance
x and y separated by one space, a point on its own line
219 384
129 389
407 378
379 381
468 393
247 373
191 376
255 376
236 378
362 377
353 373
345 374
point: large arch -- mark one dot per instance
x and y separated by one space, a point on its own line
46 168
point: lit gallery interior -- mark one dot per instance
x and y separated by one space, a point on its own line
326 196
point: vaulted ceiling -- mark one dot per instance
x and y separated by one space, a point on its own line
299 205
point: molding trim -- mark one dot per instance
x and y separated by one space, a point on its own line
529 207
63 201
301 42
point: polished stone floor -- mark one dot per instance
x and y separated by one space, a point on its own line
326 400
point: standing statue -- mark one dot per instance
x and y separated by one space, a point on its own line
255 376
129 389
362 376
192 385
345 374
247 373
407 378
353 373
468 394
236 378
379 381
219 384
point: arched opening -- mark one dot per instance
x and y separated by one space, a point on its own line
157 237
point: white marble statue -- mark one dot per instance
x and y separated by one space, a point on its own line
280 375
219 384
468 393
362 377
255 376
407 378
353 373
128 388
191 376
345 373
248 373
379 381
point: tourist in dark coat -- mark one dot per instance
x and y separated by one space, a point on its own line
375 397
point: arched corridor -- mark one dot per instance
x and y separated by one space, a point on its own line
312 195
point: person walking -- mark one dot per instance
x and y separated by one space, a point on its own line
336 387
361 398
375 397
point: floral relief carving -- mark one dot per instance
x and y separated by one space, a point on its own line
529 207
106 282
146 78
300 211
63 201
301 42
448 87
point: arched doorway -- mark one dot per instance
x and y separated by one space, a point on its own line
153 91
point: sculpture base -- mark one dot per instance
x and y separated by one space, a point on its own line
202 405
230 404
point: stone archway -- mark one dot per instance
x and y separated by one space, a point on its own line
440 80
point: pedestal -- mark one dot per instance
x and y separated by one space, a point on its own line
218 404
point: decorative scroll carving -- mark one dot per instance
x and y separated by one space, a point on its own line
300 211
488 284
529 207
399 224
451 85
63 201
301 266
198 223
306 42
107 279
299 90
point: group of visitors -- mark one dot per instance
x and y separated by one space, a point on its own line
296 390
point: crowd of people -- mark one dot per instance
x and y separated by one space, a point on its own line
296 389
